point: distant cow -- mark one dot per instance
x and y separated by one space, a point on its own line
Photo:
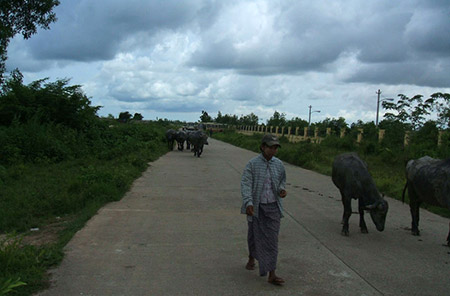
427 180
351 176
170 137
188 143
198 139
180 137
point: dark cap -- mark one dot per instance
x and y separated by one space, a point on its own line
270 140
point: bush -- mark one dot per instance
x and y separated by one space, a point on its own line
45 102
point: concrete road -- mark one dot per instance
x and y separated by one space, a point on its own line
179 231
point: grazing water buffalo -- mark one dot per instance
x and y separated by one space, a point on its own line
351 176
180 137
427 180
198 139
170 136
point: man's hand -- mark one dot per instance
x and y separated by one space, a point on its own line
249 210
283 193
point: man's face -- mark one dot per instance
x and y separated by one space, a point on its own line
269 151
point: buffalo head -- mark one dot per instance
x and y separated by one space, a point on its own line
378 212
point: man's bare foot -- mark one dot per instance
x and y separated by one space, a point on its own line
275 280
250 264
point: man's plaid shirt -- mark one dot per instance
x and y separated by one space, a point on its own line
252 182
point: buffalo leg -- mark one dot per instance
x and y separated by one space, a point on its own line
414 207
362 223
448 237
195 150
415 215
347 202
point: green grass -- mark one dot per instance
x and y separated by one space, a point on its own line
39 191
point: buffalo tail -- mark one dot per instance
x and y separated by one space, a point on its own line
404 190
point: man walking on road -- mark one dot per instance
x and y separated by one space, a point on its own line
262 187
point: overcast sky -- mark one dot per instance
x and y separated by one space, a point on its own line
172 59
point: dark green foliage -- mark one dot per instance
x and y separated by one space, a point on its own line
424 141
25 264
124 116
227 119
277 119
250 119
297 122
115 156
205 117
100 167
413 111
59 160
40 102
336 125
394 135
138 116
440 103
334 142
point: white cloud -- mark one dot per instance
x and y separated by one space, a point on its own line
172 59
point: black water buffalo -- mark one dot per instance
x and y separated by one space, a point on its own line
427 180
170 136
351 176
180 137
198 139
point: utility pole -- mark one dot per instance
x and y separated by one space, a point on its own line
309 121
378 105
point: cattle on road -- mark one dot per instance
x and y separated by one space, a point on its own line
427 180
170 137
180 137
198 139
352 178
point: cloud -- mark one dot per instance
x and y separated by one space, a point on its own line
243 56
94 30
415 73
428 32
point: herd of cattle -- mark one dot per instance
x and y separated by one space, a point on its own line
197 139
427 180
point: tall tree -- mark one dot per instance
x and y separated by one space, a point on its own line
227 119
219 117
278 119
250 119
45 102
414 110
22 17
297 122
138 116
335 124
441 104
205 117
124 116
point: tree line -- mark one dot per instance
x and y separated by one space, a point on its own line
406 114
